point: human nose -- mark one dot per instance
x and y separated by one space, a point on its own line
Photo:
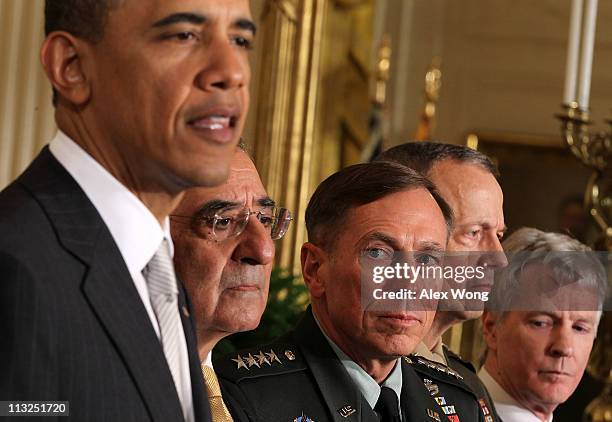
493 253
255 246
561 344
227 67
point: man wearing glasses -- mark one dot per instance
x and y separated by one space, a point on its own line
224 251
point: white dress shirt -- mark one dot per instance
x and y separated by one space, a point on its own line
133 227
508 409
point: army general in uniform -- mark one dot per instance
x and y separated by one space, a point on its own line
345 360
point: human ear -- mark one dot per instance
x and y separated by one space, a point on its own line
61 58
312 258
489 329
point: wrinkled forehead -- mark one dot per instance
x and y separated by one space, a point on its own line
243 187
540 288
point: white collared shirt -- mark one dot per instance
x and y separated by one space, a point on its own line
507 407
133 227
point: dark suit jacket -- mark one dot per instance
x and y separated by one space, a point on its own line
72 325
302 377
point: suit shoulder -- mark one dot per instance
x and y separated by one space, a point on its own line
279 357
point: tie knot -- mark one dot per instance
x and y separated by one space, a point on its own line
159 273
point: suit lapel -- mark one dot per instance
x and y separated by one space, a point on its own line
108 287
201 408
343 399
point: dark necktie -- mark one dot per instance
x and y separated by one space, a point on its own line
387 407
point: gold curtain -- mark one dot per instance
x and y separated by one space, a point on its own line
26 112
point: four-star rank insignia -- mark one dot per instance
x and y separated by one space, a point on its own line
260 358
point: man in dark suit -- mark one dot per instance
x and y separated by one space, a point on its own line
345 360
150 99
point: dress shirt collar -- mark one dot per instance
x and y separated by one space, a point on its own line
134 228
367 385
508 408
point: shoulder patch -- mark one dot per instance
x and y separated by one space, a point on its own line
273 359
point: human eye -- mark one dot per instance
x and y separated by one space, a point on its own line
582 328
223 222
265 218
540 322
427 259
182 35
473 233
377 253
243 42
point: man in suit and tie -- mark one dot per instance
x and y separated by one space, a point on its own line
150 100
224 251
345 360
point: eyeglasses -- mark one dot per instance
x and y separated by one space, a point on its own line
231 223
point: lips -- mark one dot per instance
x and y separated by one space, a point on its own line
400 318
215 124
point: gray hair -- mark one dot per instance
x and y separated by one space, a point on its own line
527 246
421 156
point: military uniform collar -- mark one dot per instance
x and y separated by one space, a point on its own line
368 387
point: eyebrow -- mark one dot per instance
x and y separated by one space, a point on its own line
184 17
246 24
211 207
266 202
199 19
429 245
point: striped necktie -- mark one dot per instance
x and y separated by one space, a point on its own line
163 291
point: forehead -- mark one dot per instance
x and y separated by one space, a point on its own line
134 13
470 190
540 289
408 214
243 185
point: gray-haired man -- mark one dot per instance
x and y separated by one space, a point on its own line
543 317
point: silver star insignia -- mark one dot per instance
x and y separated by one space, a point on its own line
240 363
262 358
251 361
272 357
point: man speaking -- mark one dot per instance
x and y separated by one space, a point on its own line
150 99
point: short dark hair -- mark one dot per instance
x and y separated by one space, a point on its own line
421 156
85 19
357 185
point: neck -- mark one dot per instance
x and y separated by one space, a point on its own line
379 369
441 323
207 340
149 183
542 411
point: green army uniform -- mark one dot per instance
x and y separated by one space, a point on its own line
454 384
300 378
